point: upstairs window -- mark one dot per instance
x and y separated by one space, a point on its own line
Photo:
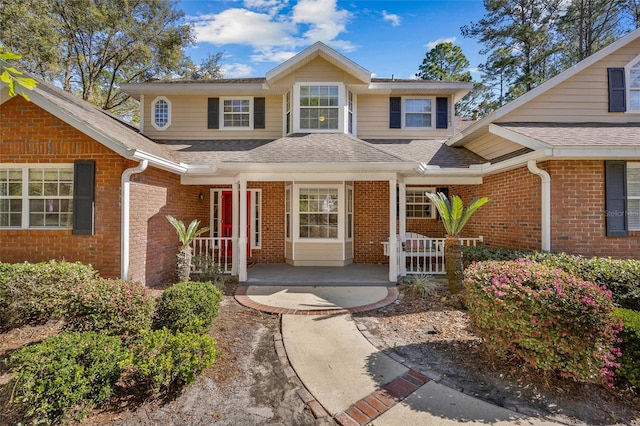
319 107
236 113
418 113
634 85
161 110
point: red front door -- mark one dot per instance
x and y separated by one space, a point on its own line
226 219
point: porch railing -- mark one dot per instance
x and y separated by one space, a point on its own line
424 255
211 251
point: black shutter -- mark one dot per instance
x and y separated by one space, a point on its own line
258 113
617 90
615 179
213 112
83 196
445 191
395 113
442 113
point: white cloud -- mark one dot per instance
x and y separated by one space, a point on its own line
274 31
391 17
433 44
242 26
474 70
237 70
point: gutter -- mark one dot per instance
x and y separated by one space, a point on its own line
124 217
546 203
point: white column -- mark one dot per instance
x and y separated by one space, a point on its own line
242 241
235 209
403 226
393 244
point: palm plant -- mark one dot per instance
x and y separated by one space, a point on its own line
454 217
186 235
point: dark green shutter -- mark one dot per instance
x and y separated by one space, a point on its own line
395 113
442 113
83 196
213 113
258 113
615 178
617 90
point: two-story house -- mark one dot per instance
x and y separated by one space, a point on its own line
318 163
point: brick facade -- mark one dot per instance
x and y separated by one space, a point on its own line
578 224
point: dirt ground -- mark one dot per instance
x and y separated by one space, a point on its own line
432 334
247 384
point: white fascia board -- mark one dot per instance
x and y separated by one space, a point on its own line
137 89
518 138
597 152
420 84
316 167
159 162
285 177
448 180
566 74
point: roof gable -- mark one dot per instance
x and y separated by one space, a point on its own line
482 127
314 51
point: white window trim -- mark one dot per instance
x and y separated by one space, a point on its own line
286 110
153 113
295 212
235 98
354 117
627 83
404 112
411 189
341 107
25 193
632 165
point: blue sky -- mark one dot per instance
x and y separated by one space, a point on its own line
386 37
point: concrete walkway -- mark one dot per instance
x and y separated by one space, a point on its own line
347 376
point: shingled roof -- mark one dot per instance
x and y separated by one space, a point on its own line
579 134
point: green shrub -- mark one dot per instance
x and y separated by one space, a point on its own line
543 316
188 306
166 361
423 285
62 377
113 306
622 277
630 345
34 293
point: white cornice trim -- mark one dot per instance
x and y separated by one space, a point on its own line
518 138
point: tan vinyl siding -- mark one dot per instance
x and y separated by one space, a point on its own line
288 249
189 120
490 146
373 121
582 98
348 250
317 70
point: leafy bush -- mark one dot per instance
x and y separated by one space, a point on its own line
188 306
113 306
630 346
62 377
165 360
34 293
545 317
622 277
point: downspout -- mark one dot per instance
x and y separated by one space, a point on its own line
124 219
546 203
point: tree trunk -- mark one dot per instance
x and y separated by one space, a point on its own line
183 260
453 263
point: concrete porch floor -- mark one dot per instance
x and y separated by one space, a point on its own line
356 274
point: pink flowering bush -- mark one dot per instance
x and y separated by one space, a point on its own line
544 317
116 307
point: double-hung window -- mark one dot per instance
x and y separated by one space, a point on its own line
236 113
633 195
319 107
418 204
418 112
318 209
36 197
633 70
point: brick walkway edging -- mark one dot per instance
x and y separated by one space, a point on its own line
242 298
